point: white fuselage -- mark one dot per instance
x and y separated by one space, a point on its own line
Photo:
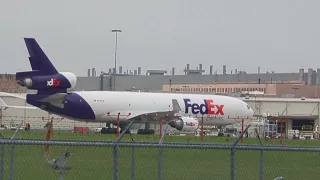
107 104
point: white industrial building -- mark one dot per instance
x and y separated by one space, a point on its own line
294 112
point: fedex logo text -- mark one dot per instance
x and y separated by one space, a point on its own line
190 124
53 82
207 108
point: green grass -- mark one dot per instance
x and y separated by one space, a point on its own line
97 162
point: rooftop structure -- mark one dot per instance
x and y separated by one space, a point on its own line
158 80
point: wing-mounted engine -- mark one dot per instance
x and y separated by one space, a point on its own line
61 80
185 124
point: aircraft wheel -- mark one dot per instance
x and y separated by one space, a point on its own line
108 131
146 131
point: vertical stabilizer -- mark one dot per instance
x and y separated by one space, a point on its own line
38 59
43 77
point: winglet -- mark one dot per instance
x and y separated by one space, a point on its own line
175 106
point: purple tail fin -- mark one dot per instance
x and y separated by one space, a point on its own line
38 59
40 63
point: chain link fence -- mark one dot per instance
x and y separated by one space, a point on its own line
24 159
78 159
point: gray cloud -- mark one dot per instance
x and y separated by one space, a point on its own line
276 35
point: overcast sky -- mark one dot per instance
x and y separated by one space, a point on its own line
76 34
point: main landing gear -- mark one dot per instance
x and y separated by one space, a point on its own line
113 130
146 129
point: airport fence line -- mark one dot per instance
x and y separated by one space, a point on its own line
76 159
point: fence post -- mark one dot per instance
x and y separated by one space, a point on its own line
116 149
12 152
132 159
11 161
233 150
115 161
261 156
242 126
161 153
2 162
201 133
232 167
132 162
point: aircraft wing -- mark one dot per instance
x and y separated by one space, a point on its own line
6 106
157 115
152 114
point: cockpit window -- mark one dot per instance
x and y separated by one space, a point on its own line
248 106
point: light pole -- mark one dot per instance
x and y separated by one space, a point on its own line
115 57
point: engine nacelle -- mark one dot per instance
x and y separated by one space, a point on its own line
63 80
185 124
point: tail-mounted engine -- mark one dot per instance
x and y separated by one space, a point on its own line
185 124
62 80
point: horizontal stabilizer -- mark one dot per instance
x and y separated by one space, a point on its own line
3 94
6 106
20 107
56 99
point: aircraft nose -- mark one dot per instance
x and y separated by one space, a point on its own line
249 111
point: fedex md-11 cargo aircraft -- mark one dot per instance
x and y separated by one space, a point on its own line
182 110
